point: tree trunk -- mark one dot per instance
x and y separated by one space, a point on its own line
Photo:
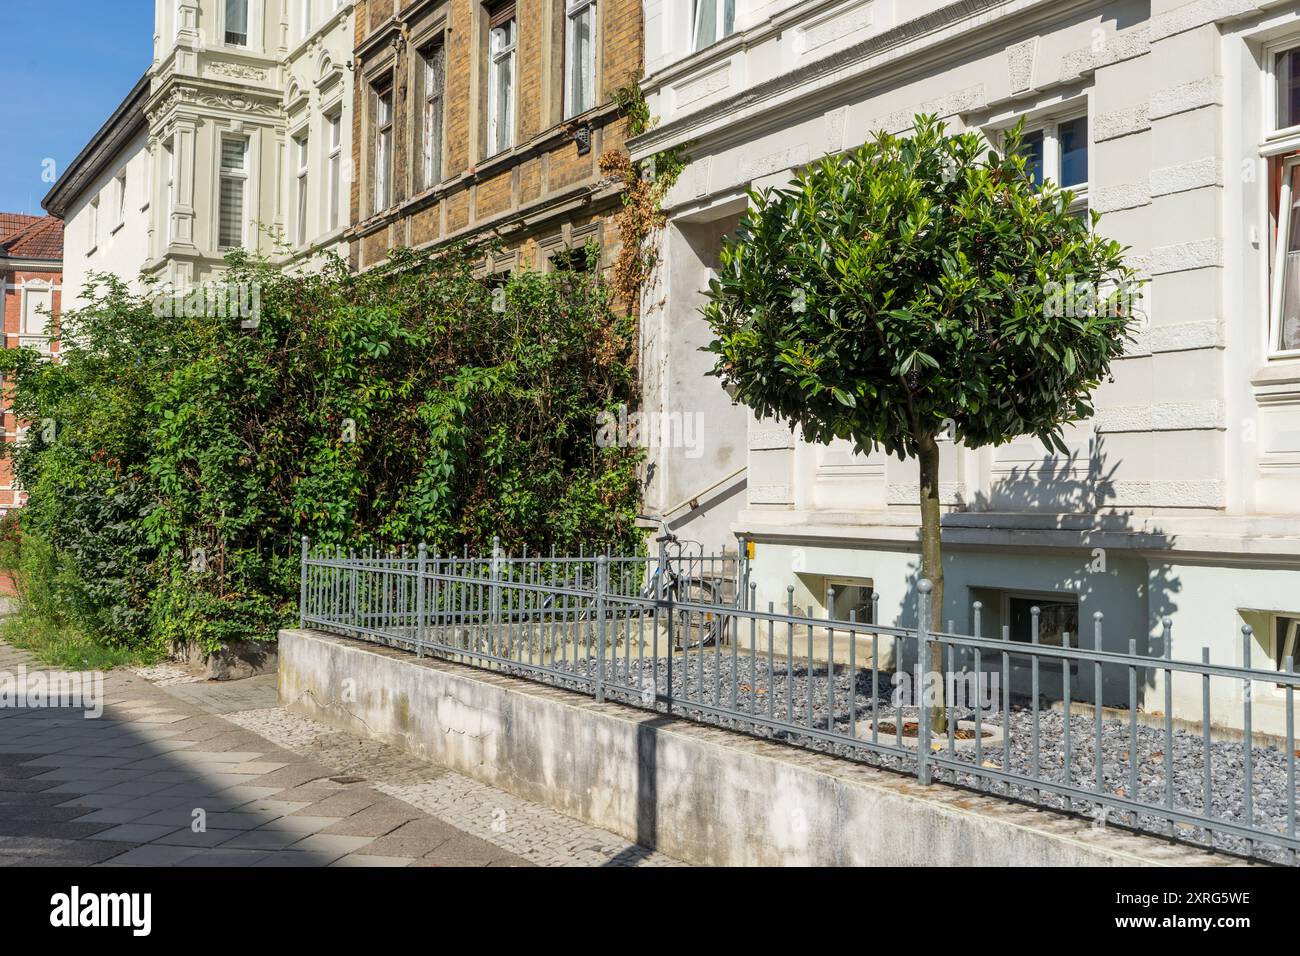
932 565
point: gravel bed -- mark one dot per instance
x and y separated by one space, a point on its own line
707 679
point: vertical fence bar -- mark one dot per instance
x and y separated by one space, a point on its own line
302 588
853 673
602 586
1207 781
830 661
923 589
1247 748
789 655
1035 757
1006 704
422 558
1066 722
1289 665
1097 676
1132 730
1168 640
809 683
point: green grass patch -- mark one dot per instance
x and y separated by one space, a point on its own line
64 647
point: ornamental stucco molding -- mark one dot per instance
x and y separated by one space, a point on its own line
1165 494
1195 174
238 71
1185 97
1180 337
909 493
1116 123
770 495
959 101
1197 14
1182 256
1112 49
238 104
1020 64
1119 196
1161 417
771 439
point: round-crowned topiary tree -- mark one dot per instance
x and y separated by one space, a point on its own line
914 288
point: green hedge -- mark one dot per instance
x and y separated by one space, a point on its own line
177 455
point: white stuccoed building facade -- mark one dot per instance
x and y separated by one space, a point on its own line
1181 499
238 136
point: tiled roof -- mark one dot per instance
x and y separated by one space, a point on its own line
12 223
30 237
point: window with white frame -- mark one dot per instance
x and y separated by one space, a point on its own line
231 213
301 149
1057 150
1285 333
119 189
1281 148
579 57
502 41
237 22
434 61
334 128
712 20
169 189
38 303
92 225
383 155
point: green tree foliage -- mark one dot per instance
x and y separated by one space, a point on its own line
914 287
176 455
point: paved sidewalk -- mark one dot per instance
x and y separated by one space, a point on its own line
184 773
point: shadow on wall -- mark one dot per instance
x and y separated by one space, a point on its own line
647 793
1135 593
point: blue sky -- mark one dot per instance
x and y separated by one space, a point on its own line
66 66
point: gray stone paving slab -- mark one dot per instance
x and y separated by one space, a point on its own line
122 790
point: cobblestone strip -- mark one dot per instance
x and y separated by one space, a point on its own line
534 832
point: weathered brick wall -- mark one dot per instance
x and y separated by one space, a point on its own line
542 182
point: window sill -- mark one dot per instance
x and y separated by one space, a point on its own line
1278 381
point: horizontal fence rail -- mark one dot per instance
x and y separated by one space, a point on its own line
1047 720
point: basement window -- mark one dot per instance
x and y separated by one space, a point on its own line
1286 639
1058 622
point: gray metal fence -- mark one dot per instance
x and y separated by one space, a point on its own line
683 636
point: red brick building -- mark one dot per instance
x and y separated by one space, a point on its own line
489 117
31 275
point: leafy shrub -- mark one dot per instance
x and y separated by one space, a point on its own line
175 460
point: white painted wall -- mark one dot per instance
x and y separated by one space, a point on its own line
1189 475
119 248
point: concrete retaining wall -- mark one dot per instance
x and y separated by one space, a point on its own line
703 795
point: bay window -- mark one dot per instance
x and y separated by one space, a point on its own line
502 49
302 151
237 22
579 57
231 213
169 189
335 125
